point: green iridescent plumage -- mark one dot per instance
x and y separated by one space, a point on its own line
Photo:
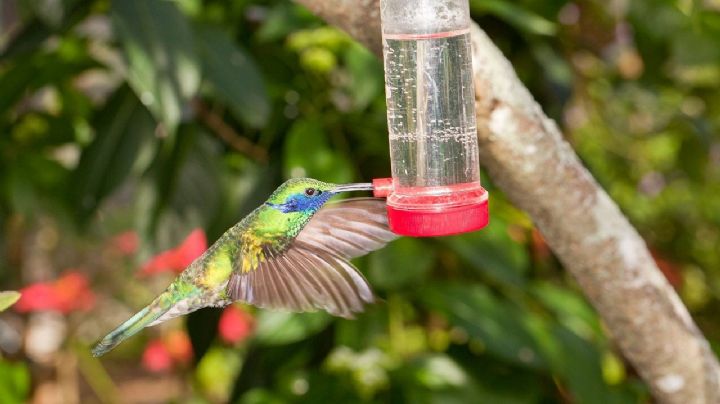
290 253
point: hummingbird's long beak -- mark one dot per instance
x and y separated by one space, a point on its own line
362 186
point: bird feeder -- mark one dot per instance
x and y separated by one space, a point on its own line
435 186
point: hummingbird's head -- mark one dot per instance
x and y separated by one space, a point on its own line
308 195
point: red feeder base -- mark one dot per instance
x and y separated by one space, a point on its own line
434 211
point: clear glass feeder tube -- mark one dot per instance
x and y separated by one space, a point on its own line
431 105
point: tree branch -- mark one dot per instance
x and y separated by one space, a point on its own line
525 154
225 132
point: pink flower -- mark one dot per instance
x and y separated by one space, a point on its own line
126 243
156 357
235 325
178 258
70 292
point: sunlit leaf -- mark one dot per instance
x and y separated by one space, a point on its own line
438 371
7 299
613 369
278 327
163 67
216 372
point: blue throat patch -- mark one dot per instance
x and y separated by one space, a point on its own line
302 203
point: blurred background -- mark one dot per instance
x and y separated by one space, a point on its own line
134 132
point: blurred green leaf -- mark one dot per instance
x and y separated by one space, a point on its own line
570 307
579 365
7 299
493 253
324 37
282 19
29 73
30 177
261 396
366 72
33 33
403 262
123 127
697 65
438 372
496 381
613 369
368 369
500 327
370 327
233 76
279 328
439 379
183 191
516 15
307 154
14 382
318 60
216 372
163 68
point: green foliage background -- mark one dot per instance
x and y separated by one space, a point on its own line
162 116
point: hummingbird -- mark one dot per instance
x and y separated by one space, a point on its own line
291 253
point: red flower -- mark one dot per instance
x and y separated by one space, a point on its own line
37 297
670 269
235 325
179 346
126 243
162 353
156 357
73 292
178 258
68 293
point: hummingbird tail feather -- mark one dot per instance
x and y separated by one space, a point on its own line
140 320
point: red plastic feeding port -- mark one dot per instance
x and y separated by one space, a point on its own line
434 211
382 187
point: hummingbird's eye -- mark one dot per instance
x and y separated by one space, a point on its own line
310 191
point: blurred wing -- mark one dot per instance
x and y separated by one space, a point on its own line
314 271
349 228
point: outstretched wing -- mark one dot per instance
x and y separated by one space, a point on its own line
313 272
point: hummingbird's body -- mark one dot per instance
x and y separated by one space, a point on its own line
287 254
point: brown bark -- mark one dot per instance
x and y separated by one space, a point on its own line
527 157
